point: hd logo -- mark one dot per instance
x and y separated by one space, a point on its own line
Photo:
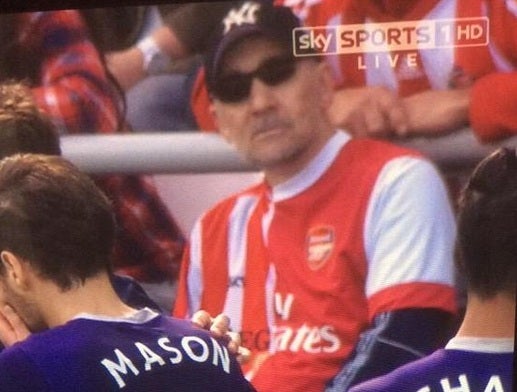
314 41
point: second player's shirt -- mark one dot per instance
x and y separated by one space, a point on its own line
303 268
466 364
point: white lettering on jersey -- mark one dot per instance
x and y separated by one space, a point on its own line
222 355
283 307
309 339
192 348
494 385
149 355
163 343
194 341
121 367
464 384
246 14
312 340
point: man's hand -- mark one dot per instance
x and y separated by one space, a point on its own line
437 112
378 112
12 327
220 327
369 112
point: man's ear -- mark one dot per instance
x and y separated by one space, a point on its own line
220 130
14 268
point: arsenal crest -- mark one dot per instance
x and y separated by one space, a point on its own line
320 243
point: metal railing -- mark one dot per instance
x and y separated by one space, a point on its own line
198 152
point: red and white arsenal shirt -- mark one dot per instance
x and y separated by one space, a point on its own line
303 267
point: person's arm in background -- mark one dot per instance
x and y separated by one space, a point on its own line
129 66
485 93
409 240
72 86
375 111
482 93
392 340
370 111
184 33
74 89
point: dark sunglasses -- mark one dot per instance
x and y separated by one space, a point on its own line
234 87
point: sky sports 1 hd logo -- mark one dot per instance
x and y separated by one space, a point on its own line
390 37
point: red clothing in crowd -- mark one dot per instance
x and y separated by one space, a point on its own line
490 70
70 84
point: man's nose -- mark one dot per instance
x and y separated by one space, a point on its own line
261 95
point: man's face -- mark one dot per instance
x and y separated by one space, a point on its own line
10 294
279 127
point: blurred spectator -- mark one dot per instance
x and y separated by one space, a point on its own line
342 257
160 70
53 53
310 12
25 129
51 50
480 356
425 91
156 91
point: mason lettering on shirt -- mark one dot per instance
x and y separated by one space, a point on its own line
123 366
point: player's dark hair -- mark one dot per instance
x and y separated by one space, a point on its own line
487 226
23 127
54 217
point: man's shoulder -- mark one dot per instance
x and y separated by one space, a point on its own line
366 158
135 356
223 208
18 372
407 376
374 149
445 369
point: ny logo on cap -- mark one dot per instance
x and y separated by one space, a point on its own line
246 14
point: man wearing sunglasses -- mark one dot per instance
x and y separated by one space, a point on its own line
341 259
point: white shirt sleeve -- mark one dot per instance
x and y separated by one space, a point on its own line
409 227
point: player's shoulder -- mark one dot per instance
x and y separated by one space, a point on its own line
407 376
13 354
18 371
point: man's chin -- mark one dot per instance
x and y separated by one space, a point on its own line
268 159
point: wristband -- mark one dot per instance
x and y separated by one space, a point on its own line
155 61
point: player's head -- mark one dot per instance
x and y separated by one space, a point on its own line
54 219
271 105
23 127
487 228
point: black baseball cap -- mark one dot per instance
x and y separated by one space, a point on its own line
247 19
